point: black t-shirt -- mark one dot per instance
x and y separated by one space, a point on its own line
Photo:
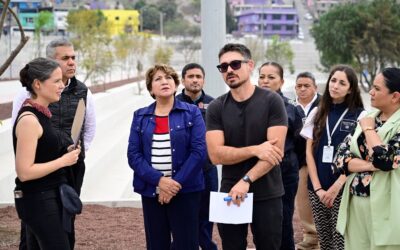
246 124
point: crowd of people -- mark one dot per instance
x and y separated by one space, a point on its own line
323 154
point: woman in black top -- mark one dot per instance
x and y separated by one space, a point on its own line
39 162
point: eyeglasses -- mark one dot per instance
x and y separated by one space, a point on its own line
235 65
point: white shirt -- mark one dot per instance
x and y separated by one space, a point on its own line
90 115
308 106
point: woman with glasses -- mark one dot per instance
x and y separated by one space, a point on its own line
39 162
326 126
167 151
369 215
271 77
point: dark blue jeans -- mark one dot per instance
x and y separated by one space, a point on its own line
205 226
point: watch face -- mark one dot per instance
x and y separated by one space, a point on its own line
246 179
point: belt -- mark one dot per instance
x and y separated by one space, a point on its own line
42 194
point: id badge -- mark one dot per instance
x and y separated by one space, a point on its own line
327 155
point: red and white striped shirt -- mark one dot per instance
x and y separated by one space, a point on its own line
161 147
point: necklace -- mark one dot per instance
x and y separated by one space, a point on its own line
42 109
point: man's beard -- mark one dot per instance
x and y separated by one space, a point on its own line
194 90
235 85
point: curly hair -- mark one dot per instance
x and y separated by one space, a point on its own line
160 67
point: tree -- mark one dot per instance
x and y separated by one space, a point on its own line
150 17
379 44
188 48
280 52
365 35
129 49
42 23
121 44
169 9
333 34
23 40
92 39
163 55
139 4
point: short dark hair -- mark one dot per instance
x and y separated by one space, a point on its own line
166 69
37 69
192 66
235 47
392 79
306 74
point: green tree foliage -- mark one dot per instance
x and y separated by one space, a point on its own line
332 34
139 4
365 35
92 39
280 52
163 55
169 9
43 23
150 17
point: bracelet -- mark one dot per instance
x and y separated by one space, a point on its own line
316 190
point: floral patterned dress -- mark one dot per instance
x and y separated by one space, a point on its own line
383 157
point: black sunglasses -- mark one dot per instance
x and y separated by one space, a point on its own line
235 65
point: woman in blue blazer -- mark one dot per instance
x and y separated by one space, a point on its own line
166 152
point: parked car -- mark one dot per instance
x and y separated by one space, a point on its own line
308 16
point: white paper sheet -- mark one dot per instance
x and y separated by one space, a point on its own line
220 212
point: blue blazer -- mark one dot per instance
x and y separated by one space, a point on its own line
188 148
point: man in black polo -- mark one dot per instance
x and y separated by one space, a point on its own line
193 81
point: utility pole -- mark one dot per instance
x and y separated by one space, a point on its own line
213 32
161 24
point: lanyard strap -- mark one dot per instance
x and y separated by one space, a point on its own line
334 128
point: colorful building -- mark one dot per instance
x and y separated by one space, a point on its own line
24 4
28 17
269 20
122 21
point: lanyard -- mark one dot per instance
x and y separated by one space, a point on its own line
334 128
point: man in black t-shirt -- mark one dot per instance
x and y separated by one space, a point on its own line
246 130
